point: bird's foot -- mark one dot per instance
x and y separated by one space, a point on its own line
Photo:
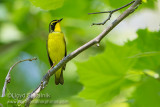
50 69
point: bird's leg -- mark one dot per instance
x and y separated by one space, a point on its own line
51 68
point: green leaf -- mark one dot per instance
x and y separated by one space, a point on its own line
48 4
120 3
76 10
148 43
103 76
147 94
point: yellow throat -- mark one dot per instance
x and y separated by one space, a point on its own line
57 28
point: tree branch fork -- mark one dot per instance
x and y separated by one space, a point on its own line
8 77
96 40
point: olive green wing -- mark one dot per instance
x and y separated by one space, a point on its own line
50 61
61 79
65 53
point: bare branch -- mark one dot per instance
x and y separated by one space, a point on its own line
92 42
110 13
8 77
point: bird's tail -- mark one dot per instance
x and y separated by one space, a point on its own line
59 77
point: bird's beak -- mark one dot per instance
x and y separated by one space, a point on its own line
60 20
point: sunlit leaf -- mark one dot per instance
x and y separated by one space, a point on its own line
148 43
148 89
104 75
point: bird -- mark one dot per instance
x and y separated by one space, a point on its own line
56 48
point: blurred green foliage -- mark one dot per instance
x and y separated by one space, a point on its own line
111 75
106 72
49 5
106 75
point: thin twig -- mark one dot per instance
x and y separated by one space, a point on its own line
94 41
8 77
110 13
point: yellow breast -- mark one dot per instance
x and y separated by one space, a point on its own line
56 46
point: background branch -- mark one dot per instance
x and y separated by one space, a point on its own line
94 41
110 13
8 77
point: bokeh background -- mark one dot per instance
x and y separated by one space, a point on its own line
122 72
